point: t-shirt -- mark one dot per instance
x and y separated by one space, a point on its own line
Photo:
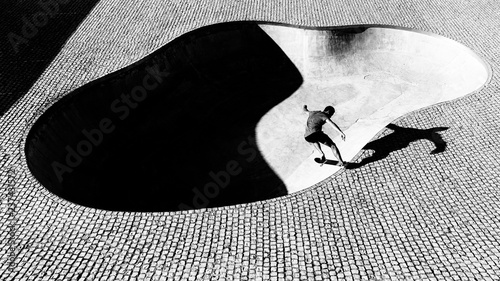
315 122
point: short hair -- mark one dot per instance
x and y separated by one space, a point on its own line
329 109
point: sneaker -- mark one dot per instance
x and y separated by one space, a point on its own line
323 159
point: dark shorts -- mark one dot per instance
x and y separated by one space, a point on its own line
319 137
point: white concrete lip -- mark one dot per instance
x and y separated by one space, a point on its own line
371 77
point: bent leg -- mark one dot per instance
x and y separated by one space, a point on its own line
326 140
336 152
317 146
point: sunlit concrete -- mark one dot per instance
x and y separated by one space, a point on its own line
371 76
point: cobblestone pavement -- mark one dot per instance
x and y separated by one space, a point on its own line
410 216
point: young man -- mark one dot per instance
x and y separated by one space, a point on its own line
315 135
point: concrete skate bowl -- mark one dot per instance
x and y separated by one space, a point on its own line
214 117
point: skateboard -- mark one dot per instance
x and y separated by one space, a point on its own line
328 161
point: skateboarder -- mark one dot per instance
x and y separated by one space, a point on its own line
315 135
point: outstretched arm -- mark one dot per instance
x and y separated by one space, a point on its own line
342 135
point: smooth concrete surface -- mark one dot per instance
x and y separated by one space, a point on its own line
371 75
173 131
215 117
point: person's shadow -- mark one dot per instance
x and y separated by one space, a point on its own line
400 138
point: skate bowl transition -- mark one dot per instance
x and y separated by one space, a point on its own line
214 118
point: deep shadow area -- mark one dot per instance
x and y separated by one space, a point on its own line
173 131
400 138
31 34
341 41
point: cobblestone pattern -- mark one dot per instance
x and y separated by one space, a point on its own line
410 216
